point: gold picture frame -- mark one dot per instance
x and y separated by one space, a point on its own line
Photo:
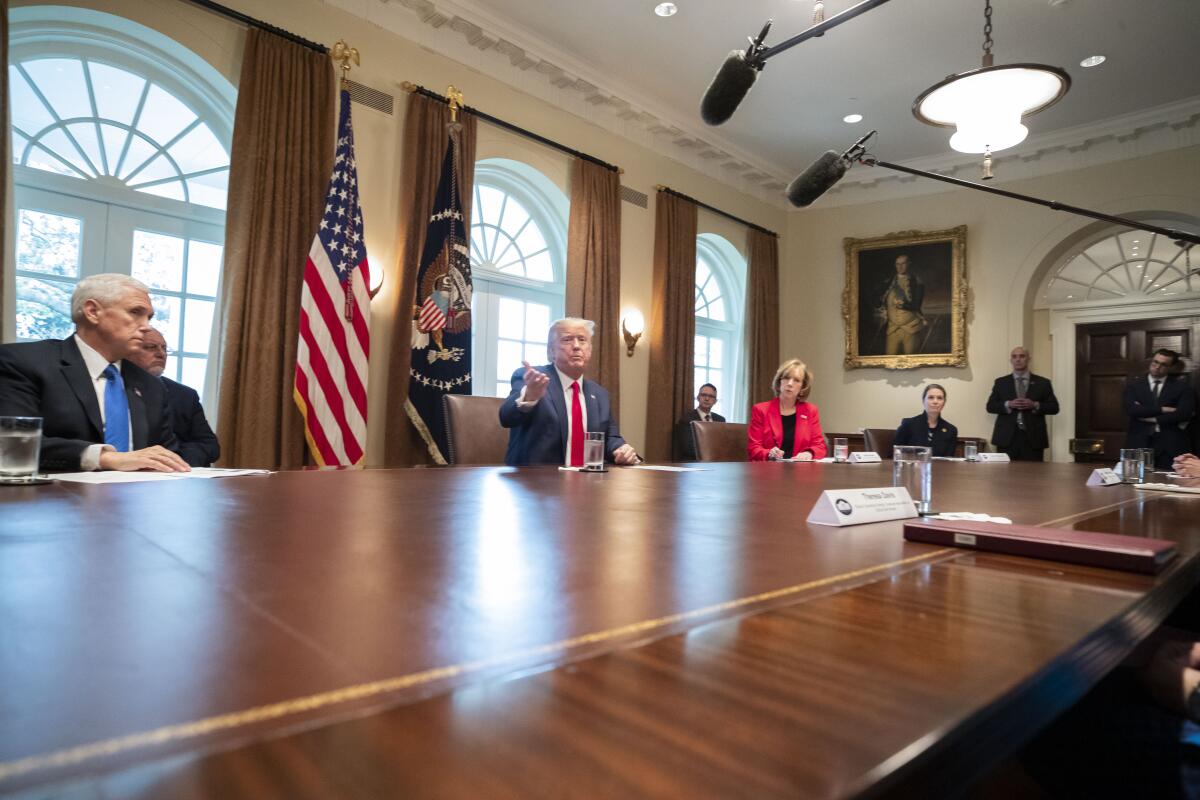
905 301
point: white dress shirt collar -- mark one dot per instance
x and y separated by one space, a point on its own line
92 359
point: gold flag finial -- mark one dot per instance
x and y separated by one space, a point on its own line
344 53
454 98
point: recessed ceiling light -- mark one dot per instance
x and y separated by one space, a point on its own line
852 118
1092 61
665 9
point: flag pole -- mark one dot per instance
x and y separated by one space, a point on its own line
345 53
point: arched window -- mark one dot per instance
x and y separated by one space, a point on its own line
720 299
1124 266
518 264
120 140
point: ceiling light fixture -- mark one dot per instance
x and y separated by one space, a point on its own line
852 118
665 9
986 105
1092 61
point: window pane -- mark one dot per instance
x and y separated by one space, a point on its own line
163 116
193 371
210 190
716 352
199 150
515 216
171 370
535 352
508 358
157 169
166 318
502 389
140 151
511 318
114 143
158 260
540 267
203 268
490 200
49 243
57 142
43 309
173 190
29 113
699 378
18 146
701 354
85 135
41 159
61 81
197 330
117 92
531 241
537 322
716 309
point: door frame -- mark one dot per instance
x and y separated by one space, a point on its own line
1063 324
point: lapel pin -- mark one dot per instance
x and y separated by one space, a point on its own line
137 391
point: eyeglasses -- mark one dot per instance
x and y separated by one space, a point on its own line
708 395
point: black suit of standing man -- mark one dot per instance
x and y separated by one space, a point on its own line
197 443
65 383
685 443
1158 408
1022 402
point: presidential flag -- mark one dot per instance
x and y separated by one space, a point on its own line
441 335
335 317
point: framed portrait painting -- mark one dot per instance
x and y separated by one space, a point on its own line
905 302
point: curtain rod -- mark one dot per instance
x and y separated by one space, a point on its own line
725 214
245 19
421 90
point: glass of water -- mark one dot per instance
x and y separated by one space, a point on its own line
841 449
1131 465
1147 462
20 442
970 451
593 452
912 468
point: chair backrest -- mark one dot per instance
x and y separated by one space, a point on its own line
1088 447
880 440
473 431
721 441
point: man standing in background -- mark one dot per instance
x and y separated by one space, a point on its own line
1022 402
1159 406
685 443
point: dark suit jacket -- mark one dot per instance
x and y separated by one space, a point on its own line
198 444
539 435
1040 391
50 380
685 443
1139 402
915 431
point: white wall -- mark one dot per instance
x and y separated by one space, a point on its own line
1009 246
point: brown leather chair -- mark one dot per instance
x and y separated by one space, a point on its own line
880 440
720 441
473 432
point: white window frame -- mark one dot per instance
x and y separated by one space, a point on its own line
728 268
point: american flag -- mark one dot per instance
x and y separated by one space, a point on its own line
335 317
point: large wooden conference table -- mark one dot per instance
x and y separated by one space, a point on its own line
490 632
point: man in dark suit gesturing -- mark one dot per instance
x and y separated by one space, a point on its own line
1023 401
551 407
685 443
1158 409
197 443
99 410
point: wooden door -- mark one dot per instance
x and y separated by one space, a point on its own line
1107 354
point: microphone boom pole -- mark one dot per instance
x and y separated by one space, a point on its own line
1176 234
820 28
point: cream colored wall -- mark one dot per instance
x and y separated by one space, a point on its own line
1009 246
387 60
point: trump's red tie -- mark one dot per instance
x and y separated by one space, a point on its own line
576 427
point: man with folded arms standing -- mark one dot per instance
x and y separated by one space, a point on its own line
1158 408
99 410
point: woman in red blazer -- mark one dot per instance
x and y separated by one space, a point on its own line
787 426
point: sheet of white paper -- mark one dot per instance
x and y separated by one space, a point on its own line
970 516
664 468
116 477
217 472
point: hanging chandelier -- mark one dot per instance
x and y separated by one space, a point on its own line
986 105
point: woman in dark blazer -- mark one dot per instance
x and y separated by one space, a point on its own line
930 429
787 427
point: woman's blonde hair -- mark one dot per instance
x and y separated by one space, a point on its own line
791 365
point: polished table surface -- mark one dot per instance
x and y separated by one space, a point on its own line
513 633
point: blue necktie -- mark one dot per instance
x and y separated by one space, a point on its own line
116 411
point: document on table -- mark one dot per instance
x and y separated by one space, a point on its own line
112 476
665 468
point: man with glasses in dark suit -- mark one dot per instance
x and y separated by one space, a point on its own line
685 443
1159 406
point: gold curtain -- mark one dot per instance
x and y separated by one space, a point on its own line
672 331
762 314
421 152
594 267
281 160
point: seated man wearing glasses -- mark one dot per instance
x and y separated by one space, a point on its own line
685 443
197 443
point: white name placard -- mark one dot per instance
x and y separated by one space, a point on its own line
1103 477
858 506
865 457
994 458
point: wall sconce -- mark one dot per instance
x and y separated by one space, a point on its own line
376 282
632 327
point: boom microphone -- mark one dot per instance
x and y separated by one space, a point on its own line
733 81
823 173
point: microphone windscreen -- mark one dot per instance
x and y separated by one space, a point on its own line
819 178
727 90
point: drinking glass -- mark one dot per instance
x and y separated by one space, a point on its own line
912 468
1147 462
1131 465
593 452
20 441
970 451
841 449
